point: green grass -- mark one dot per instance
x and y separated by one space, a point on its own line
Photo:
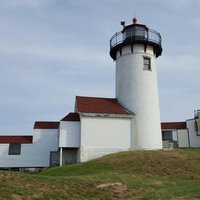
141 174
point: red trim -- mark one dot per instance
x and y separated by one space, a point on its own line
71 117
16 139
46 125
173 125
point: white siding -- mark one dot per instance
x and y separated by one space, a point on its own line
69 134
193 138
70 155
104 135
32 155
174 135
183 141
137 90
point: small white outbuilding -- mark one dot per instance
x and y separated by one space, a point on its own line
30 151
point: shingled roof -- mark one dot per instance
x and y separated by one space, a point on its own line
46 125
173 125
100 105
11 139
71 117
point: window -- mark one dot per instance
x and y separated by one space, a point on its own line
167 135
147 63
14 149
138 33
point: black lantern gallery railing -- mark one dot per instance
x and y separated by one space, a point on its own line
135 34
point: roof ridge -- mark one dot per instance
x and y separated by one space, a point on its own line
72 116
47 121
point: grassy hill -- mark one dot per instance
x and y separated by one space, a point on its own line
128 175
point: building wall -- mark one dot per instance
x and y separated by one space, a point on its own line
183 139
137 90
180 136
69 134
70 155
174 135
36 154
197 123
193 138
104 135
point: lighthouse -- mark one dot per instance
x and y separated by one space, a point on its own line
135 50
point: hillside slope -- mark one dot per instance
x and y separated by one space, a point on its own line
178 163
128 175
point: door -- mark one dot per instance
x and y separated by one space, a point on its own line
54 158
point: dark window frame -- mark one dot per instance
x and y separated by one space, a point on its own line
147 63
167 137
14 149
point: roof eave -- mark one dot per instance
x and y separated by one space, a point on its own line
111 115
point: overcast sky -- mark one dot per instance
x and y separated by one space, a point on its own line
53 50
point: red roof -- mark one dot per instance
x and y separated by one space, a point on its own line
8 139
71 117
46 125
173 125
100 105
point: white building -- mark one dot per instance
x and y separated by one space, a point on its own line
175 135
101 126
30 151
135 50
193 126
182 134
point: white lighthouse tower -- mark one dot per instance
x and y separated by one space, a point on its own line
135 50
